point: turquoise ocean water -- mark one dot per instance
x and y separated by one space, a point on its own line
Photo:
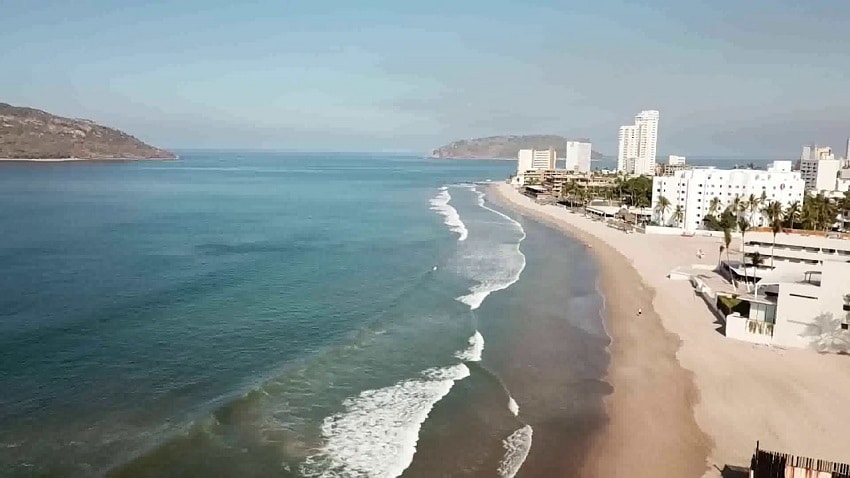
283 314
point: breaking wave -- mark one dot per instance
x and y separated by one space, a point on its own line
516 445
451 218
506 271
475 349
377 433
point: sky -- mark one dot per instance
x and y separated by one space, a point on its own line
754 78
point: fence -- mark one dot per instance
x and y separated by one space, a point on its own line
771 464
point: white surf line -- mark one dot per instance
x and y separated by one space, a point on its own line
516 445
377 433
475 349
479 293
451 218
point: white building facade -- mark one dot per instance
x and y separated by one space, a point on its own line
820 174
694 190
674 160
533 160
798 307
638 143
578 156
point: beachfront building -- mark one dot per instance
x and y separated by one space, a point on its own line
578 156
532 161
819 168
674 164
637 144
674 160
692 191
798 248
796 305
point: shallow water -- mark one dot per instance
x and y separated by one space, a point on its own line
260 314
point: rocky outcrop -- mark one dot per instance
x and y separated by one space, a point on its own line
502 147
27 133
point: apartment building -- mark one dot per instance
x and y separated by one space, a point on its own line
637 144
694 190
531 160
578 156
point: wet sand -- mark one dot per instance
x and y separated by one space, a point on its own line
651 429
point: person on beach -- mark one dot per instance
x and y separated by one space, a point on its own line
640 311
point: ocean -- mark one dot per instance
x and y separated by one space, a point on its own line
290 315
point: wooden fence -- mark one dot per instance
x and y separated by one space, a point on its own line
771 464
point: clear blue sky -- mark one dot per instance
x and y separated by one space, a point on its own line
730 77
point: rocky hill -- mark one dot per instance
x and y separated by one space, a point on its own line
27 133
502 147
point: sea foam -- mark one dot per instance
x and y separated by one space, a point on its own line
451 218
475 349
517 446
376 434
513 406
501 279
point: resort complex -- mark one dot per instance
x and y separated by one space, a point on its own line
759 257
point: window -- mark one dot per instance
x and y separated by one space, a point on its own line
845 326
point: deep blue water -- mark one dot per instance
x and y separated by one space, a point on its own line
271 314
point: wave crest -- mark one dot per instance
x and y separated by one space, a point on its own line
475 350
377 433
517 446
451 218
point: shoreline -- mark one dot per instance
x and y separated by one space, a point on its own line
93 160
644 373
738 393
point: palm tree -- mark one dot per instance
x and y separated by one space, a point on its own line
714 206
743 226
792 213
773 212
736 205
743 207
752 206
661 208
679 215
727 241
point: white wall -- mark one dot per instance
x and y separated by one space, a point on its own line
578 156
694 189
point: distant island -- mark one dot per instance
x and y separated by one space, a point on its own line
31 134
503 147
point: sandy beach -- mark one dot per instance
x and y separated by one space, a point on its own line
688 401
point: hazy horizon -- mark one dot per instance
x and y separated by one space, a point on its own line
731 79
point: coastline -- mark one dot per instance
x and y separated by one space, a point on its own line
66 160
644 373
737 393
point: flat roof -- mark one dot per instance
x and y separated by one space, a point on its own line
799 240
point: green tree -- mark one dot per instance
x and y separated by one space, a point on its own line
661 209
792 213
727 239
773 212
743 226
679 215
714 206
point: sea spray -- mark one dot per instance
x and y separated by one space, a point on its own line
474 351
516 446
451 218
377 432
513 406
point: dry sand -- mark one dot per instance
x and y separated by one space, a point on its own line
687 401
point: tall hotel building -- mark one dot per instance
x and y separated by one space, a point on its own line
638 144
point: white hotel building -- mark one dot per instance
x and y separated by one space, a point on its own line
694 189
578 156
533 161
638 143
